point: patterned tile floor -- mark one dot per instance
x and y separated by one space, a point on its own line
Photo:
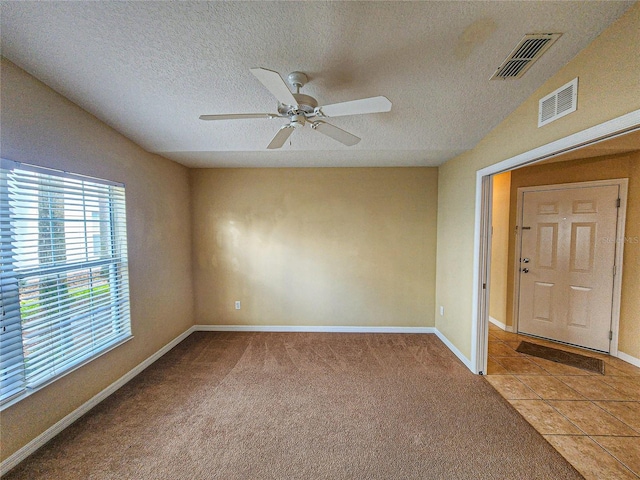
593 420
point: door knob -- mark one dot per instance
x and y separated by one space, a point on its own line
525 260
525 270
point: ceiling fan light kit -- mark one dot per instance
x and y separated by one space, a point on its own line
301 109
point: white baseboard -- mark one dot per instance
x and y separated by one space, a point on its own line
454 349
629 359
318 328
499 324
15 458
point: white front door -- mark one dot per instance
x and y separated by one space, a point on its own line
567 264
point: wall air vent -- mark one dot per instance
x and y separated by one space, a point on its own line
558 103
528 50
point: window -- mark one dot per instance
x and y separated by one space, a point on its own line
64 287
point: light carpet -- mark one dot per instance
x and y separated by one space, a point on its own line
301 406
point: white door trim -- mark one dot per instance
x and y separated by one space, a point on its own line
623 186
479 322
485 278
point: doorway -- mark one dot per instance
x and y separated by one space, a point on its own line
592 142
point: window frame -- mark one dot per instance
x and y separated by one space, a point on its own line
116 302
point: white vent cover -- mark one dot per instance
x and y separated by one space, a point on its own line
526 52
558 103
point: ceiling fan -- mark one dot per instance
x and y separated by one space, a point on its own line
301 109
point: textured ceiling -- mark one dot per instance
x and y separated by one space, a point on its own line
149 69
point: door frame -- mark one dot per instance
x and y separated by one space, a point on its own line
616 127
623 186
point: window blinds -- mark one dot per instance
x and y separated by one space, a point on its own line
63 273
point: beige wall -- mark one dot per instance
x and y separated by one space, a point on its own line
315 246
500 247
609 87
41 127
600 168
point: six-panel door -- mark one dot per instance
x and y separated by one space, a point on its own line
567 264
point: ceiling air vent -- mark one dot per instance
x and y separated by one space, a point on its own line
558 103
528 50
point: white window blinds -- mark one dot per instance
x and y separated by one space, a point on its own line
63 273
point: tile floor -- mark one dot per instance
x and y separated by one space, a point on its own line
593 420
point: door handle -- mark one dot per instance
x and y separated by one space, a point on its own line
525 260
525 270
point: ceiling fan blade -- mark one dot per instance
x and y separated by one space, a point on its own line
336 133
356 107
281 137
275 84
238 116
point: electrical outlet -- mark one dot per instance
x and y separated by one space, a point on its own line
237 304
441 311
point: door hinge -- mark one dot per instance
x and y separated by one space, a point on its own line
618 203
484 286
610 335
